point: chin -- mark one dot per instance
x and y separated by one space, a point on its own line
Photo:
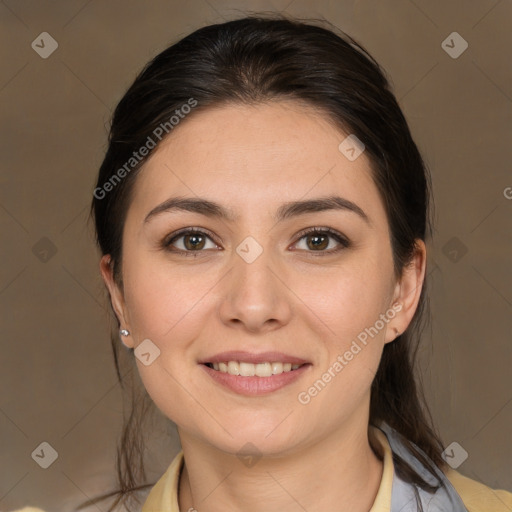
255 438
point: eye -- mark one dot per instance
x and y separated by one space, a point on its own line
318 240
192 241
189 241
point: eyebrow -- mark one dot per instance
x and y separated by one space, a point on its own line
285 211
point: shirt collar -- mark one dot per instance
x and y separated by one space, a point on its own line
164 494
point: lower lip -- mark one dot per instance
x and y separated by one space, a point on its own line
256 386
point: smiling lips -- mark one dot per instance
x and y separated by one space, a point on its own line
245 369
254 374
247 364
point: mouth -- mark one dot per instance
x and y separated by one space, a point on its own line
247 369
254 374
254 379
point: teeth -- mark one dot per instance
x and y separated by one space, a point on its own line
247 369
277 368
263 369
259 370
233 368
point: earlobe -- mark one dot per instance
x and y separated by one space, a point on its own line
116 296
408 292
392 330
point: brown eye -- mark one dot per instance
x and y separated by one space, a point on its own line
319 239
316 241
194 241
189 241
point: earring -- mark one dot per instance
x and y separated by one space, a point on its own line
124 332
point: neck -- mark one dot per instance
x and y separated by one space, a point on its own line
339 473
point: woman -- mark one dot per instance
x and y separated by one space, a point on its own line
262 211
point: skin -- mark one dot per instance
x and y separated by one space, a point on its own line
292 298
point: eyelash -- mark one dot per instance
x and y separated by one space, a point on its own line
343 241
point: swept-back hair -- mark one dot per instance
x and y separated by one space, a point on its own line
255 60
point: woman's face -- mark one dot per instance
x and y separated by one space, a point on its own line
256 281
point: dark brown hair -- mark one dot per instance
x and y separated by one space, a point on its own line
254 60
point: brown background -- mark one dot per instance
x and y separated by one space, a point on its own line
58 382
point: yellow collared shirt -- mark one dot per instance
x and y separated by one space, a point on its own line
477 497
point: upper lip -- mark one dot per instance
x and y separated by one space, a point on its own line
250 357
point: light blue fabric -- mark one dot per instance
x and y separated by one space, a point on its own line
403 495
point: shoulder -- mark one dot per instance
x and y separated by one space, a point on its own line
478 497
29 509
164 493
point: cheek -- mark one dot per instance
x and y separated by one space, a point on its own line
167 305
352 336
344 307
164 299
345 300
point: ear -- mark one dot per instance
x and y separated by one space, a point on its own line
407 293
116 296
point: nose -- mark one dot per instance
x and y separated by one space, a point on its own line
255 296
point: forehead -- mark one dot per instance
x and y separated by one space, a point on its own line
255 158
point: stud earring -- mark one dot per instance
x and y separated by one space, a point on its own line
124 332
